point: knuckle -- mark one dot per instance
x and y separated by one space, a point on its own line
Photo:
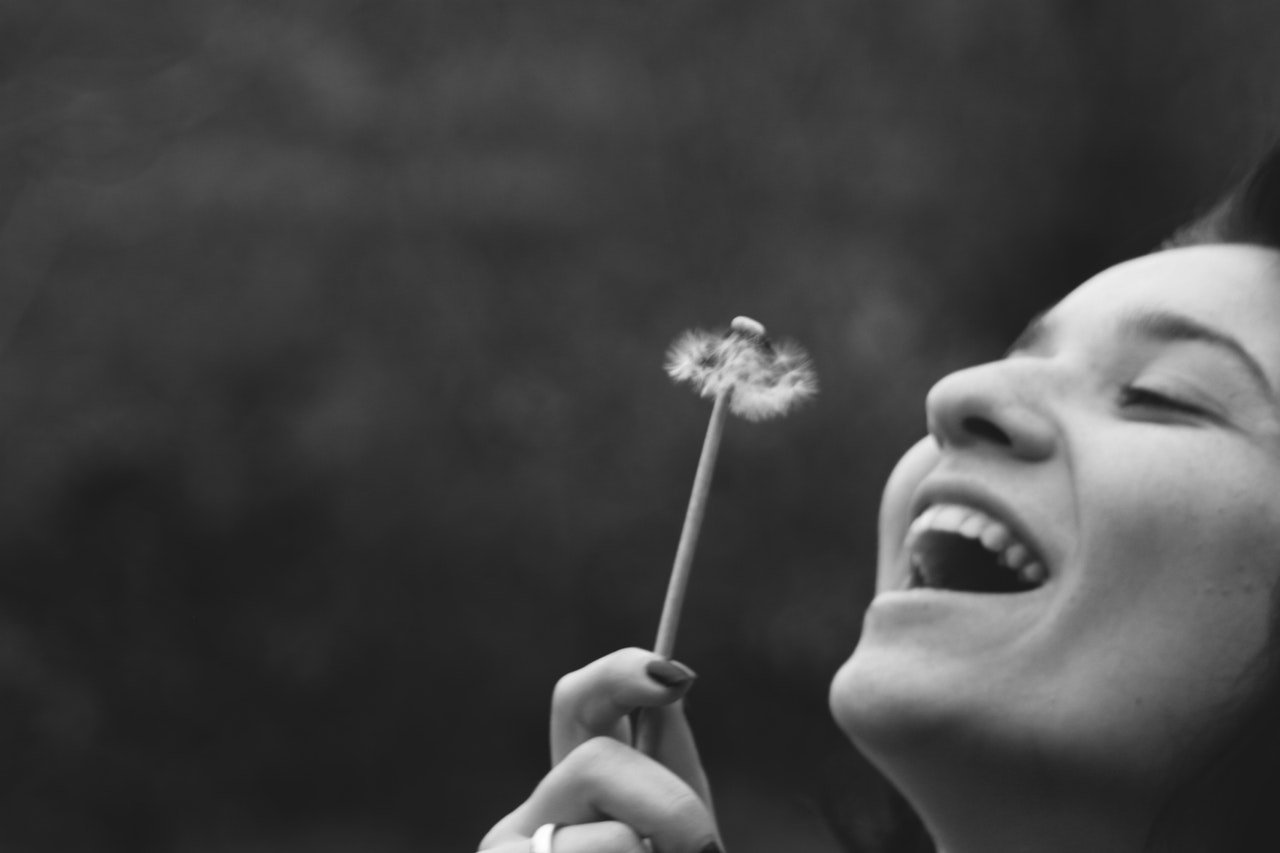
587 769
599 750
573 690
567 690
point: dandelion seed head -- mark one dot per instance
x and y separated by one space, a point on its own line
765 379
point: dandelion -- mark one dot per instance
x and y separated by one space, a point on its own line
747 374
764 379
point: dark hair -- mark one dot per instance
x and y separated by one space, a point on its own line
1250 213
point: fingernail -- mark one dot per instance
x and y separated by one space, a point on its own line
668 673
711 847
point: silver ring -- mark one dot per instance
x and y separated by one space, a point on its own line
542 838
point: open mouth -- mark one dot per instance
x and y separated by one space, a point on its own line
960 548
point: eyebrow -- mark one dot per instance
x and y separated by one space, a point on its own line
1165 327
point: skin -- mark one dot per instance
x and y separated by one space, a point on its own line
1144 471
609 796
1058 719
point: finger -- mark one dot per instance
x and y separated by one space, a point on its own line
609 836
518 846
603 780
676 748
594 701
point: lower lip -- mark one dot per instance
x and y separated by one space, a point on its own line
921 607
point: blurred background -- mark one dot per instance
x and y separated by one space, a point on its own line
333 427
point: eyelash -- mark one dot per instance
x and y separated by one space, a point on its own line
1132 395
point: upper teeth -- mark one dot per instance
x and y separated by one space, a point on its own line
975 524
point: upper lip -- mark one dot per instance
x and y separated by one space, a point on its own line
980 498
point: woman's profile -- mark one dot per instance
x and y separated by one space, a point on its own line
1073 646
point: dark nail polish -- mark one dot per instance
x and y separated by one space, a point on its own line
711 847
668 673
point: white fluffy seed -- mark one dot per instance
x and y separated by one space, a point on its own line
763 379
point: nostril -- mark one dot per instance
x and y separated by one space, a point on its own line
985 429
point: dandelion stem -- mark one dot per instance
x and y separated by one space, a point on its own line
644 733
747 374
680 570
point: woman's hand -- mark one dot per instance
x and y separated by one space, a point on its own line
598 700
607 796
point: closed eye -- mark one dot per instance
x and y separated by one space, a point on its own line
1132 396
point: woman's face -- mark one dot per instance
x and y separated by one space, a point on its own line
1122 466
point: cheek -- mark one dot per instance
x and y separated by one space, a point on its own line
1167 609
1171 608
1144 690
1174 522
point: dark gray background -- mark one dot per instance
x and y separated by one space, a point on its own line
333 421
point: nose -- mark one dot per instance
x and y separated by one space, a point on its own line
998 406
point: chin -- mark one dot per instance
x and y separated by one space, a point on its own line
903 707
927 725
890 709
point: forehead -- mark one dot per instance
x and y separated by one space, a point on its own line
1233 288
